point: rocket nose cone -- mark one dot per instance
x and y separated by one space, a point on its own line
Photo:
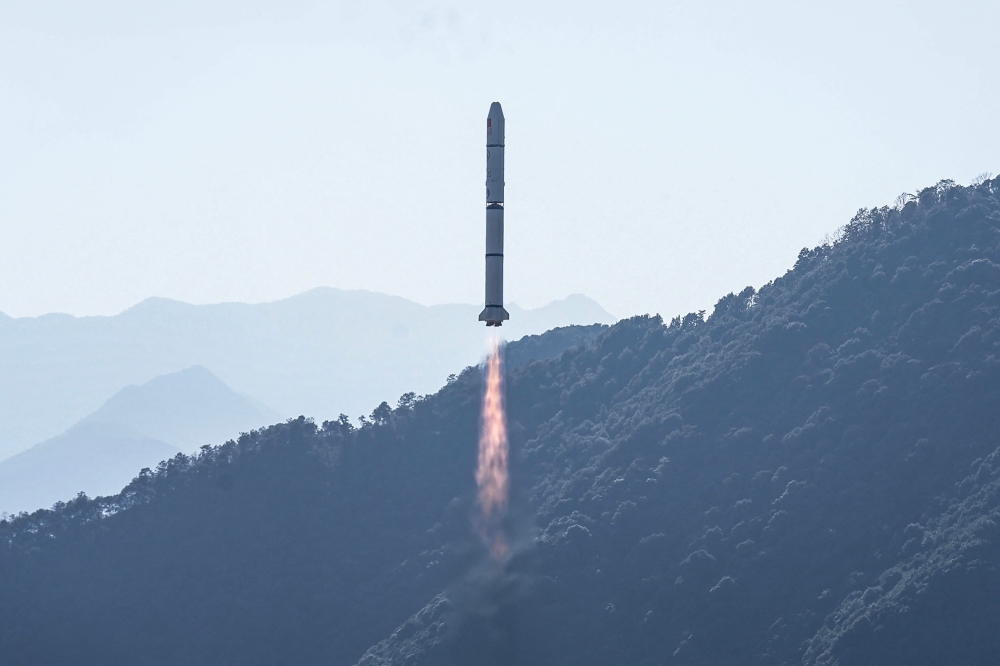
495 126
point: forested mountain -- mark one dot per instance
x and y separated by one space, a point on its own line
137 427
811 475
324 350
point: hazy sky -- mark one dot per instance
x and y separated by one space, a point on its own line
659 154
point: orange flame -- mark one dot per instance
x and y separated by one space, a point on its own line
491 474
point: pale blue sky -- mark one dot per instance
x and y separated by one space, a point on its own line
659 155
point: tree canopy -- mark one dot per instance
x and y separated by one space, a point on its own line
810 474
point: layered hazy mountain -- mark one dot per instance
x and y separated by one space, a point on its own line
323 352
810 476
137 427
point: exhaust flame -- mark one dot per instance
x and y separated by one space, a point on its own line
491 474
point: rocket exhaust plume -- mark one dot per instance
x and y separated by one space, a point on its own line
491 474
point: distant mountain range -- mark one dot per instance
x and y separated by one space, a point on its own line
320 353
138 427
809 476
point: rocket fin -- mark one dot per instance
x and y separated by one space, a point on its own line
494 315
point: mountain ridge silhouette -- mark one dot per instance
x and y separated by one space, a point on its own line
807 476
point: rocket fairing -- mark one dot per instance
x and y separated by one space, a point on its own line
494 314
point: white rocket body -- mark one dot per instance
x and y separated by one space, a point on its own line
494 314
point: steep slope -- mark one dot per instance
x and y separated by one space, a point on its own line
319 351
809 476
138 427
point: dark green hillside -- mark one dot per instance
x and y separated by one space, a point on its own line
296 543
811 475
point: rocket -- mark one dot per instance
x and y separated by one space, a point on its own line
494 314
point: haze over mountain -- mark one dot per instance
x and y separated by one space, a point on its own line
811 475
137 427
320 351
